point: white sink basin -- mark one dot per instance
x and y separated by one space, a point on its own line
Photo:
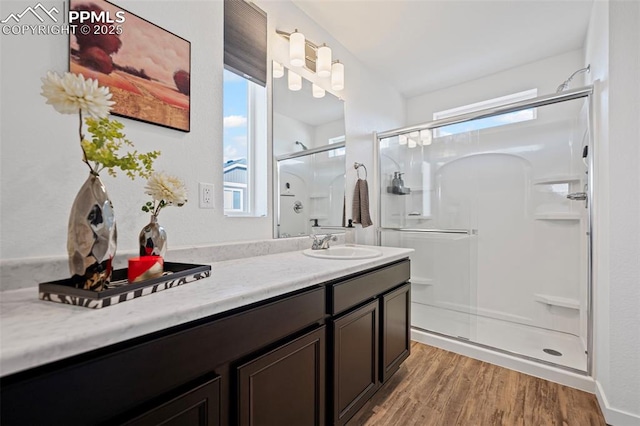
344 252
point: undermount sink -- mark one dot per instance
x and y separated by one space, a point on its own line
344 252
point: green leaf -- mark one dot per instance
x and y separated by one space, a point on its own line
106 142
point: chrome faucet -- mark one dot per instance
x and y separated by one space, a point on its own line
322 243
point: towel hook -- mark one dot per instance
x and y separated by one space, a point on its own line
357 167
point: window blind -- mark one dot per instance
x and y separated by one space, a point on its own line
245 40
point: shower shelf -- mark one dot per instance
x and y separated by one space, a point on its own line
558 216
421 281
550 180
557 301
419 217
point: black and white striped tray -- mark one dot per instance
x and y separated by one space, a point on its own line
175 274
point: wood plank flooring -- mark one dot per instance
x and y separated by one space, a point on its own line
437 387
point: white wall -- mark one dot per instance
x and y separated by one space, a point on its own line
328 131
40 163
370 103
41 167
289 131
545 75
613 50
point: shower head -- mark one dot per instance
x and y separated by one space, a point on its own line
564 86
304 147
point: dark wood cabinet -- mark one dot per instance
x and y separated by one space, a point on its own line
355 361
310 357
395 340
109 383
370 334
285 386
199 406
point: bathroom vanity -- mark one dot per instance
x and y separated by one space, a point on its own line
280 339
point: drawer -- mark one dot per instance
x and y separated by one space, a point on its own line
346 294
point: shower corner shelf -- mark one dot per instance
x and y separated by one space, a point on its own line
419 217
558 216
563 302
421 281
550 180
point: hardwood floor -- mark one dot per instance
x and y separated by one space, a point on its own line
437 387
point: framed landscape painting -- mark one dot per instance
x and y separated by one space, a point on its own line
147 68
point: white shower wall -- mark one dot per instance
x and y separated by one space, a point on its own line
524 260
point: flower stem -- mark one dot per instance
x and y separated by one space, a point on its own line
84 154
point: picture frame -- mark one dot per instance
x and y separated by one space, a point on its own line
146 67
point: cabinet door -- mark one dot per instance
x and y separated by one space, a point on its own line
285 386
199 406
355 361
396 324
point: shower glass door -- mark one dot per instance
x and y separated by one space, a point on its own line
495 209
438 224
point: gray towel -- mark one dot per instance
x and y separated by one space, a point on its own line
361 204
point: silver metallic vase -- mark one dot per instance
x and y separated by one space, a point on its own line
153 239
92 237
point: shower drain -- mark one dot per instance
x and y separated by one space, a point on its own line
552 352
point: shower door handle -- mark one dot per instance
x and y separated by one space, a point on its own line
577 196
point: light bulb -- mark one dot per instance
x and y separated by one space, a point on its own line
412 143
318 92
278 70
426 137
323 66
337 76
296 49
402 139
295 81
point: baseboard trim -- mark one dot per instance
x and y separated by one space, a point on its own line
612 415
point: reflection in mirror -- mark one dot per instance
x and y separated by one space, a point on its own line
308 145
311 191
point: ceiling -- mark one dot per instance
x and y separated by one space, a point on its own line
423 45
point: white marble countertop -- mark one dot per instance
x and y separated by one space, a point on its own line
35 332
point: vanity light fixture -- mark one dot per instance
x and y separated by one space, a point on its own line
337 76
323 66
426 137
295 81
317 91
297 49
278 70
315 58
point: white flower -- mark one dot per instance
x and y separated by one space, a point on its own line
167 188
72 93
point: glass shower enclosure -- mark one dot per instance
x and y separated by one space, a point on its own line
495 204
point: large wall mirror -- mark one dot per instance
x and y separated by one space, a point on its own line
309 150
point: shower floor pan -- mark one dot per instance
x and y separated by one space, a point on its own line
532 342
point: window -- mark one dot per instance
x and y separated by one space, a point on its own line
234 199
484 123
245 109
340 151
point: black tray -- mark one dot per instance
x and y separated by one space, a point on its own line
119 290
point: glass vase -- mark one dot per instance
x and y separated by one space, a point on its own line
92 236
153 239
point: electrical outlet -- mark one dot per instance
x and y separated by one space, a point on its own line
205 190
